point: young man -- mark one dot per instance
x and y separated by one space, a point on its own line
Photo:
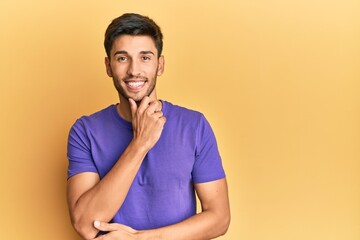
134 167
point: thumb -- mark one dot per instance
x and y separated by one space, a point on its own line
103 226
133 107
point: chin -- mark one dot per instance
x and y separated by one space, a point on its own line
136 97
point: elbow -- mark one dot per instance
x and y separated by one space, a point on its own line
225 224
84 228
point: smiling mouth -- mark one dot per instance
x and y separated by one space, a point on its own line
135 84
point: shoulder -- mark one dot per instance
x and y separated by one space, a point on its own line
95 119
99 115
173 111
183 120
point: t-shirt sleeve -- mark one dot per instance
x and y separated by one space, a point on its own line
79 151
208 166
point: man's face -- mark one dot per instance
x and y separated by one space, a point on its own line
134 66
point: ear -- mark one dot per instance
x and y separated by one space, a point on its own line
161 65
108 67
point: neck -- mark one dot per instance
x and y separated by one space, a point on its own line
123 108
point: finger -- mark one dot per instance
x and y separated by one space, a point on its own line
161 122
158 114
133 108
160 104
126 228
163 119
154 106
107 227
144 104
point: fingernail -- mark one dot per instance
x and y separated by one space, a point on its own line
96 223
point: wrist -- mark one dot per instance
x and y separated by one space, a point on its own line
139 146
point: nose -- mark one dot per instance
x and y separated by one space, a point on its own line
134 68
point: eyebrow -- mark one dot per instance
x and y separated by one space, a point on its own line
147 52
120 52
125 52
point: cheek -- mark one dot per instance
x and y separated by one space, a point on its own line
119 70
152 70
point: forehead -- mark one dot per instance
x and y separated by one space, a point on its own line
133 44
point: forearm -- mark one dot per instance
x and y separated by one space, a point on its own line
203 226
102 201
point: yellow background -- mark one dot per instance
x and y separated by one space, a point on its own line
278 80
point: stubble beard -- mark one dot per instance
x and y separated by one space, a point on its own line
138 99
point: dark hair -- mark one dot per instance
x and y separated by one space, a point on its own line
135 25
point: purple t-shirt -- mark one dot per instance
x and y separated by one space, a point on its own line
162 192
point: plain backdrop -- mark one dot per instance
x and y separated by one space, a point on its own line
278 80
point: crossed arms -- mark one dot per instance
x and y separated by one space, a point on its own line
92 202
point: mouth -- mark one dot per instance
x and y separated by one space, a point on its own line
135 84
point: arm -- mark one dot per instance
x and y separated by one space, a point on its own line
212 222
90 198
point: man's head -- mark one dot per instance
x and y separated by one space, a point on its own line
135 25
133 45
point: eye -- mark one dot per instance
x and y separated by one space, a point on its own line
145 58
122 59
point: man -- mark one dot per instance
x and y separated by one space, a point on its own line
134 167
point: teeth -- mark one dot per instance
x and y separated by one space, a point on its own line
135 84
